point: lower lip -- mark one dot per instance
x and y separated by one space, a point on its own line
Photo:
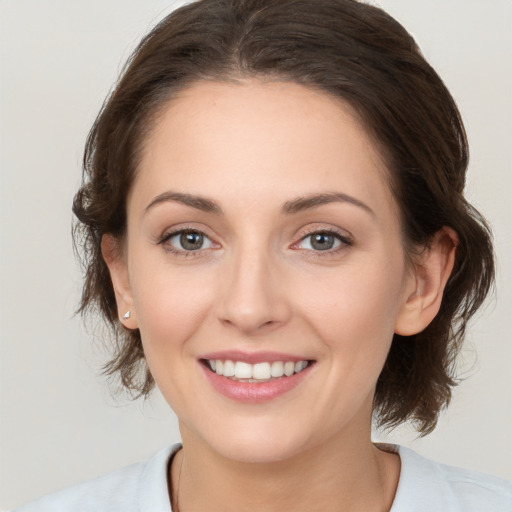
254 392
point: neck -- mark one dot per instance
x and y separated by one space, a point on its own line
337 476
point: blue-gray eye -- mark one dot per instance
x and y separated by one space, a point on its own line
321 241
189 240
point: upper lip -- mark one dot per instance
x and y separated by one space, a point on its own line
253 357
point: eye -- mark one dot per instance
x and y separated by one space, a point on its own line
323 241
187 240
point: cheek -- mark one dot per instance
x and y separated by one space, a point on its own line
354 311
170 305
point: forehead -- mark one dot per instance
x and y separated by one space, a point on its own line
269 139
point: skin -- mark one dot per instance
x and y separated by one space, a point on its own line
258 284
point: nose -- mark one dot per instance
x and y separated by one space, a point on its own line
254 297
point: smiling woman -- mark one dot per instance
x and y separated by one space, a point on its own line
250 285
276 232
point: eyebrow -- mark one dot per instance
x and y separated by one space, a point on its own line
198 202
290 207
316 200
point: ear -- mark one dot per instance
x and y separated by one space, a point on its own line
426 283
116 263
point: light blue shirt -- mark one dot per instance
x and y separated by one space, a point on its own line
424 486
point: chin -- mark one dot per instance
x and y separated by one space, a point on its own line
257 444
258 451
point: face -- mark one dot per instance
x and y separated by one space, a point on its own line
264 268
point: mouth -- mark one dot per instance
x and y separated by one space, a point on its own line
261 372
257 377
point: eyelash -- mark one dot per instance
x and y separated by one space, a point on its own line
181 252
345 241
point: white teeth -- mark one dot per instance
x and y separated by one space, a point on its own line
289 368
228 370
243 370
277 369
300 365
259 371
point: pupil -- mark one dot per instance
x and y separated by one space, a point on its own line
191 241
322 242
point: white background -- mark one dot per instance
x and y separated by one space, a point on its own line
58 60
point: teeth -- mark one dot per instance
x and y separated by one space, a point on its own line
254 372
300 365
228 369
243 370
289 368
261 371
277 369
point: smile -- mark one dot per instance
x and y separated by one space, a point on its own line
255 378
259 372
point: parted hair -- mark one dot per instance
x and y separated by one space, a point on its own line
347 49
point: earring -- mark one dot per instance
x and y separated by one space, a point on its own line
127 315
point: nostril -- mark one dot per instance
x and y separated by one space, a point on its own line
250 323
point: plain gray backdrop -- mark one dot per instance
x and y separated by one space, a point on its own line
58 60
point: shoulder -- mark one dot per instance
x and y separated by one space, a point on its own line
139 487
426 485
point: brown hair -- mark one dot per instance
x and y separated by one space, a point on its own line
345 48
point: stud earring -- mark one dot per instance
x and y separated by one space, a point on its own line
127 315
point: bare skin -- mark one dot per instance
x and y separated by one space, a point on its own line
259 176
305 483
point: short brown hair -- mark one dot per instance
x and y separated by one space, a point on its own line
345 48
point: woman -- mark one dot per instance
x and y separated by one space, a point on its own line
276 232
